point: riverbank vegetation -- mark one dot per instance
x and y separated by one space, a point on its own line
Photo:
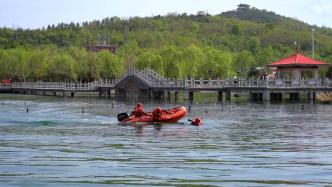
324 98
175 45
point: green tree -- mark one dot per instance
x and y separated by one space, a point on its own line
254 45
150 60
192 57
172 60
242 64
81 66
265 57
61 68
111 65
237 30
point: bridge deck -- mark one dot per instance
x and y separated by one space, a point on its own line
157 82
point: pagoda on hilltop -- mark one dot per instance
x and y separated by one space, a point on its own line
243 7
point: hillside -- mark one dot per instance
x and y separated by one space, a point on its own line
175 45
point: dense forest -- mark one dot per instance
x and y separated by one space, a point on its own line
175 45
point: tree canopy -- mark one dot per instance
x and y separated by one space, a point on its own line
175 45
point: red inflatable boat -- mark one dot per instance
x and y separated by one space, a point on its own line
171 115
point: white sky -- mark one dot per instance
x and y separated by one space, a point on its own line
39 13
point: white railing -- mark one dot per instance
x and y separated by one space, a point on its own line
205 83
168 83
155 80
5 85
56 86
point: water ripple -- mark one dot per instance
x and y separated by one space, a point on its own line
255 145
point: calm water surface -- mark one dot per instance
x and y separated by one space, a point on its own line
247 144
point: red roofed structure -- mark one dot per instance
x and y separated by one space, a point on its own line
297 60
297 67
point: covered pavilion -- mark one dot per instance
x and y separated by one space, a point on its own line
297 67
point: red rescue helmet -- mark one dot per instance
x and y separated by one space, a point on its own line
197 121
139 105
158 109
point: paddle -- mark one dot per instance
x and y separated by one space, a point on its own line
122 116
192 121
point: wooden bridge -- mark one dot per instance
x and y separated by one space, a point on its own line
148 84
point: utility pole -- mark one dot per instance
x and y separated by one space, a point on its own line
313 43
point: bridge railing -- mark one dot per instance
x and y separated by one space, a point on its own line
107 82
304 83
181 84
67 86
205 83
154 75
5 85
256 83
140 74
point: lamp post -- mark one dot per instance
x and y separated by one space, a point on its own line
313 43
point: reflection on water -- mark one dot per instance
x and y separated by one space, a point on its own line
246 144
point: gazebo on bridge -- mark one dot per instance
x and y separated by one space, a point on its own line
297 67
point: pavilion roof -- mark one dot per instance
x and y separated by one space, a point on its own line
297 60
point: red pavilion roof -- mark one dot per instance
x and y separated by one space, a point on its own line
297 60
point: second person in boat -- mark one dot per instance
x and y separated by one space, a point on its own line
138 112
157 113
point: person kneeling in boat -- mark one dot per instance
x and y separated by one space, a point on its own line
157 113
138 112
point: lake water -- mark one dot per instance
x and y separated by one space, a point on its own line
240 144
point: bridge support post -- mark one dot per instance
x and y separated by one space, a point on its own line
100 93
163 95
266 95
191 96
72 94
220 93
186 95
176 96
168 96
150 94
54 93
311 96
108 94
228 96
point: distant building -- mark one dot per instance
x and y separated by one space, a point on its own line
99 47
243 7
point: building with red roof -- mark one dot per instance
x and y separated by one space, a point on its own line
296 67
99 47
